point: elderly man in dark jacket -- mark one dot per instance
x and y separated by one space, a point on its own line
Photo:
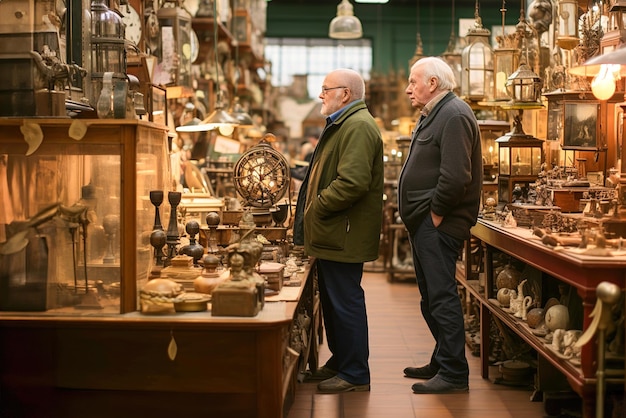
338 219
439 196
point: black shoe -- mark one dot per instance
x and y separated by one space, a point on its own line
424 372
320 374
338 385
438 385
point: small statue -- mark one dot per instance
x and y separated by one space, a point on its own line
509 221
489 209
570 349
243 293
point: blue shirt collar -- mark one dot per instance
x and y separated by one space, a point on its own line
333 117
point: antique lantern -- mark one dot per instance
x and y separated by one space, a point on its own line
520 155
567 36
175 54
505 61
108 53
477 63
524 86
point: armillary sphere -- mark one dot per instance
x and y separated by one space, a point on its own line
261 175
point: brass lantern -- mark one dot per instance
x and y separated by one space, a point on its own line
524 86
520 155
477 63
567 36
520 158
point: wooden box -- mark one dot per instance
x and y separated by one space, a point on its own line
273 273
568 199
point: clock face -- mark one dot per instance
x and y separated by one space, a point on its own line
190 46
261 176
132 20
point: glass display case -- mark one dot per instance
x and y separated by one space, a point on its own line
72 192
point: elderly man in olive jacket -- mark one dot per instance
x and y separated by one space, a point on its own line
338 219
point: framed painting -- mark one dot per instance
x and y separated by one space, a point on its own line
580 125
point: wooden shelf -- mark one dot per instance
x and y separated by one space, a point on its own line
583 273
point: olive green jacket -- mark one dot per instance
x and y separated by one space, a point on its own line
344 195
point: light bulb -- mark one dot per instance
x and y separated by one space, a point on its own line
603 84
226 130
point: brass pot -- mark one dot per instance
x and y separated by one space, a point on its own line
192 302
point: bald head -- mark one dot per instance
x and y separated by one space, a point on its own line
351 79
341 87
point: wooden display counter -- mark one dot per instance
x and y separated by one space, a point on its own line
582 272
126 366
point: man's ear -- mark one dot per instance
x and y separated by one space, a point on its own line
345 99
433 83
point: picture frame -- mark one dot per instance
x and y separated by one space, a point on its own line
580 124
555 121
241 27
157 102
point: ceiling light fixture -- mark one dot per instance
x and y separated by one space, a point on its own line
237 111
219 118
606 70
345 25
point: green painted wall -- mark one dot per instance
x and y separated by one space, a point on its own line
392 29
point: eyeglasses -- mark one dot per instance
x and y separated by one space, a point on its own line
325 89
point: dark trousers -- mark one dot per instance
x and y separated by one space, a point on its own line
434 256
345 319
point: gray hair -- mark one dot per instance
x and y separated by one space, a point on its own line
352 80
438 68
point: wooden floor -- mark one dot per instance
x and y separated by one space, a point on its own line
398 338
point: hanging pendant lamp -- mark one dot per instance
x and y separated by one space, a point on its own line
219 118
345 25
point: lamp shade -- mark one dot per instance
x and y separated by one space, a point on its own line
593 66
219 118
345 25
239 114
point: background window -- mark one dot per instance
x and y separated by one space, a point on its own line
315 58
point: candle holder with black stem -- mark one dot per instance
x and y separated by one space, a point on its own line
173 238
156 198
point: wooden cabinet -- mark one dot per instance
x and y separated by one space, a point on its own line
64 356
125 365
582 273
